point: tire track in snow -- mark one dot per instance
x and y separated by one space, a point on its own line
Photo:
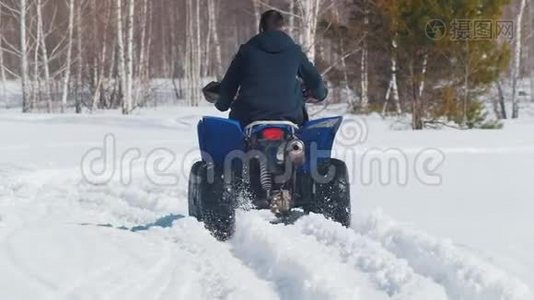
181 262
299 266
386 271
464 275
220 273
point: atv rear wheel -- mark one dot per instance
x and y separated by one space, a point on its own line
330 198
212 200
193 191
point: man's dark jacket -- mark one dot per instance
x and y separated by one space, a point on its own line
265 75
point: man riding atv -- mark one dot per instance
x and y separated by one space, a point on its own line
271 154
266 74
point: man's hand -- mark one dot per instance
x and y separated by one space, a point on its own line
222 106
309 97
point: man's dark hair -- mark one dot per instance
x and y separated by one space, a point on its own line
271 20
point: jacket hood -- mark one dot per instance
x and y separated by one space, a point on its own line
272 41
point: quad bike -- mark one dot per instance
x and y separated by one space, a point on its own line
275 164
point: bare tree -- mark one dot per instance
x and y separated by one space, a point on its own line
26 105
256 4
531 53
517 58
121 55
128 100
3 76
193 57
214 36
142 75
364 68
44 53
309 17
291 22
36 82
393 89
66 78
502 104
79 57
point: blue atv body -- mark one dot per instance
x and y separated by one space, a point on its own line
272 165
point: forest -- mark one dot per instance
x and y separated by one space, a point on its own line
439 62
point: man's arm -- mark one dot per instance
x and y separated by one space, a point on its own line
230 84
312 78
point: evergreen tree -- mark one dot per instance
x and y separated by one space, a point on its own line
461 57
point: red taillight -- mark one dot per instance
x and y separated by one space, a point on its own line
273 134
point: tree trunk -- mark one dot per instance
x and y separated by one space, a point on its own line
423 74
69 57
503 114
517 58
531 49
193 52
198 57
44 54
393 86
121 56
139 90
146 63
257 11
417 122
128 100
466 86
309 11
291 22
36 82
420 103
364 69
346 85
364 81
213 29
3 76
79 58
26 105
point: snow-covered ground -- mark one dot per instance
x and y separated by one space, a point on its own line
453 222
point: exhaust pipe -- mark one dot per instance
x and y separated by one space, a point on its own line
295 152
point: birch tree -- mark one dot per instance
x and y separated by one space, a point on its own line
3 76
26 105
214 36
121 56
44 54
36 82
393 90
517 58
142 75
531 49
128 100
309 17
193 53
291 21
79 57
256 4
364 68
66 78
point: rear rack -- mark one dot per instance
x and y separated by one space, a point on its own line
248 129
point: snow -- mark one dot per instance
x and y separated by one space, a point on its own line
468 237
